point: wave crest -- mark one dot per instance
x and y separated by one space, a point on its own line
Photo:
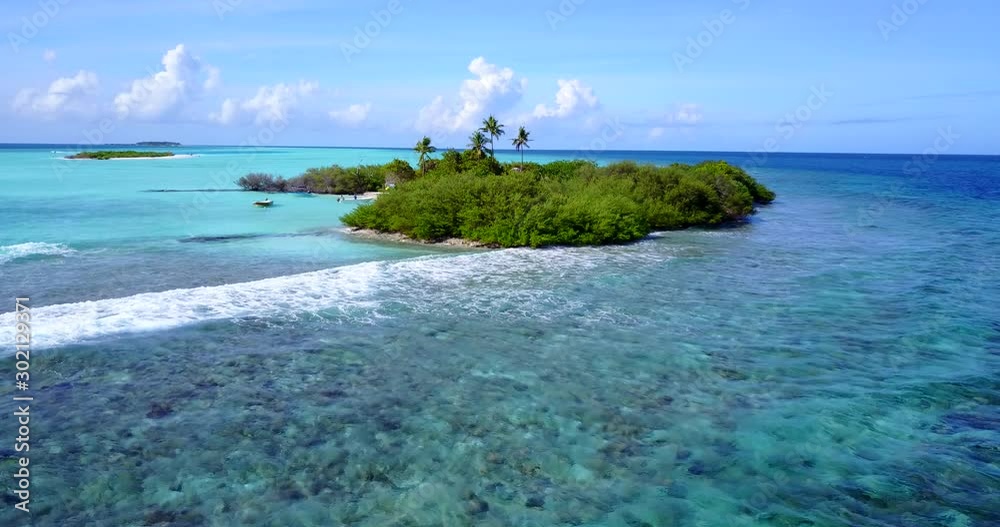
505 284
9 253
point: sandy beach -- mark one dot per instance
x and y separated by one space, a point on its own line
367 196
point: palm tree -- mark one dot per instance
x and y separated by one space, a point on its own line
477 144
494 128
521 142
425 150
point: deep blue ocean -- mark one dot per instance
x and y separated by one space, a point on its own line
200 361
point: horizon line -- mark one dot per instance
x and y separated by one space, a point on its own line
440 149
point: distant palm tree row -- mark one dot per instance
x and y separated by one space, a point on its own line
488 133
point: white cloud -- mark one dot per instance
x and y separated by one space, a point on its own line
271 103
275 102
213 77
64 95
686 114
572 97
227 114
183 77
493 89
49 55
353 115
681 119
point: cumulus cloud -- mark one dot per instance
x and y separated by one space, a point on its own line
573 96
227 114
49 55
271 103
686 114
493 89
183 77
64 95
353 115
682 116
213 77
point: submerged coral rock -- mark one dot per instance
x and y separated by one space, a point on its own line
157 411
476 505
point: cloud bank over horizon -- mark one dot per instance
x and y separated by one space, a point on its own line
191 72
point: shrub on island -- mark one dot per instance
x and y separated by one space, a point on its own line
104 155
559 203
259 182
333 179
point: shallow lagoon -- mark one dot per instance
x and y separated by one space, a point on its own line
834 362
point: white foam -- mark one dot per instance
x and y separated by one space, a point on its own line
12 252
512 283
67 323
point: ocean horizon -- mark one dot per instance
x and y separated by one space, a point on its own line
585 149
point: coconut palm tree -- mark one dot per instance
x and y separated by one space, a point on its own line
425 150
521 142
494 128
477 144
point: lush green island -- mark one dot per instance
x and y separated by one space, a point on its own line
117 154
157 143
471 196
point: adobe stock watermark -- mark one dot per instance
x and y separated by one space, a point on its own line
33 25
714 28
611 131
901 14
97 134
922 162
363 35
223 177
918 164
563 11
224 7
791 123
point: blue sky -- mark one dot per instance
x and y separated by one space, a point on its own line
739 75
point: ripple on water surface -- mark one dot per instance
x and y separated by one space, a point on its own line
618 386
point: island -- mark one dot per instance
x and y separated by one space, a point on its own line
104 155
470 198
157 143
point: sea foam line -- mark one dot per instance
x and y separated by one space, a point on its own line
438 280
63 324
10 253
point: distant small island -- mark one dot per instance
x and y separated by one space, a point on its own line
104 155
157 143
470 198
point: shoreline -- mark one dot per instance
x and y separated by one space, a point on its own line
367 196
394 237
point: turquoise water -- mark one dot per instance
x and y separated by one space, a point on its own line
202 362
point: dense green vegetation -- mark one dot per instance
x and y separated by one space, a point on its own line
473 196
333 179
562 203
114 154
470 195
